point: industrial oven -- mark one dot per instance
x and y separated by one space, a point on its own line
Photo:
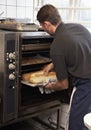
18 100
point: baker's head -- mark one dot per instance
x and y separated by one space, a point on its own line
48 17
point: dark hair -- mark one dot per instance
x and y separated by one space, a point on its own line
48 13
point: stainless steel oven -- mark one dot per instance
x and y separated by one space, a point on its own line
18 101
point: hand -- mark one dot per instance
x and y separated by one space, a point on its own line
48 68
49 86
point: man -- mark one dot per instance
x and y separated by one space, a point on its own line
71 58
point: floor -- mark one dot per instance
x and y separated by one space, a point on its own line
19 126
26 125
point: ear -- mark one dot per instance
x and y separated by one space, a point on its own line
47 23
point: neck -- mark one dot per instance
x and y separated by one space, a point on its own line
55 27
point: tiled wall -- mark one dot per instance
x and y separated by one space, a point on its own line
17 8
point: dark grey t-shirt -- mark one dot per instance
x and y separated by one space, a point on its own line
71 51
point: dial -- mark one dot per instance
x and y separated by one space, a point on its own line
11 66
12 56
11 76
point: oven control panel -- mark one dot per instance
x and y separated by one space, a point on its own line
10 58
8 74
10 61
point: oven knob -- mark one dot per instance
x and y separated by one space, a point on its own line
12 56
11 66
11 76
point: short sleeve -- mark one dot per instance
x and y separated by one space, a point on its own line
60 66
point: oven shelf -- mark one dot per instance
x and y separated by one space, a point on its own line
38 59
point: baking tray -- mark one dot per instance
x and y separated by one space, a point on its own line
53 81
41 87
10 26
19 27
33 85
35 60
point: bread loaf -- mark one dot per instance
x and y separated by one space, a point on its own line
38 77
25 77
